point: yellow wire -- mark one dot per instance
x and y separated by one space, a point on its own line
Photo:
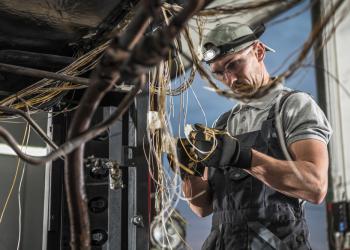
211 133
187 169
25 137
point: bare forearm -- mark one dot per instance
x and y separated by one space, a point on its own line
197 191
298 179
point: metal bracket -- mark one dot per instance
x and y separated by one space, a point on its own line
102 167
115 175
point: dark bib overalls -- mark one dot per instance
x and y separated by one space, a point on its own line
247 214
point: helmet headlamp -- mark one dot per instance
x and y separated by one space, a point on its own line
230 38
211 53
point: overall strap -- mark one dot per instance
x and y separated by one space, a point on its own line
269 237
281 102
271 119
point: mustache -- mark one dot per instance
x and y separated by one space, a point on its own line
241 84
247 90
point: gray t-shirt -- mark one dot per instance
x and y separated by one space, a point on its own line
301 117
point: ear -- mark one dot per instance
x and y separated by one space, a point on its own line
260 51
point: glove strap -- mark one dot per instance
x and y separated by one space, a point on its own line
244 159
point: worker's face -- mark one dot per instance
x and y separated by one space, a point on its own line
242 72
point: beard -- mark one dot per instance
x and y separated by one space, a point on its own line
247 89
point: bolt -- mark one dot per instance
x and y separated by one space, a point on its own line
138 221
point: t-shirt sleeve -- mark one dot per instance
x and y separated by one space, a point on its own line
303 119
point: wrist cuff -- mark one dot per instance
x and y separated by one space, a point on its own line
244 159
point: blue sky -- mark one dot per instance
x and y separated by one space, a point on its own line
286 38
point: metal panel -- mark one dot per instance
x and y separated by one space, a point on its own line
40 25
55 198
47 191
32 194
115 196
143 179
125 206
132 201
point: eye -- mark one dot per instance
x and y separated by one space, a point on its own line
232 66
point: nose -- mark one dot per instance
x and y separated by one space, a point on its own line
229 78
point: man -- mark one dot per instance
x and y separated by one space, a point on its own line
254 193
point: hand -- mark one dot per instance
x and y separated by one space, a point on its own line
186 160
219 149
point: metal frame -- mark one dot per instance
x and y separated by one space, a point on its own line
128 208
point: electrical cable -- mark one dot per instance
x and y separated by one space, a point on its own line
68 147
19 198
20 209
281 138
75 142
3 210
31 122
168 188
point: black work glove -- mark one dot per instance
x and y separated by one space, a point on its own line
227 153
186 159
